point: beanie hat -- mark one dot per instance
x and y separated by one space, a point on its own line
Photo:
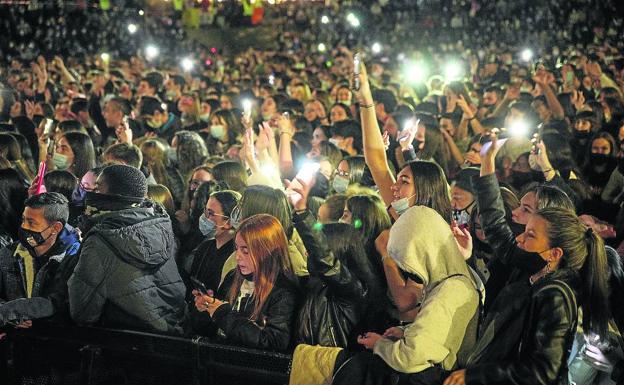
125 181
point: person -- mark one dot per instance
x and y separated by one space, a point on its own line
342 286
123 153
10 150
190 151
13 193
74 152
532 323
206 261
34 271
156 119
162 169
462 196
256 304
127 276
442 334
350 171
332 209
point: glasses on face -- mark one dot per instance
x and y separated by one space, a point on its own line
209 213
341 173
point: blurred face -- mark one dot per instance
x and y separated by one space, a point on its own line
214 212
243 257
338 114
346 215
521 164
582 125
317 137
392 127
63 148
310 112
542 110
112 114
490 99
528 206
472 155
226 103
186 103
199 177
16 109
460 198
344 95
298 93
404 186
268 108
34 220
88 181
601 146
323 214
535 237
447 124
144 89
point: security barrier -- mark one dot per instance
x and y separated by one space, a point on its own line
53 355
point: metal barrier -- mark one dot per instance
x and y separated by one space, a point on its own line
74 355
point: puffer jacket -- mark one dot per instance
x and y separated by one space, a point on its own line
336 298
127 276
526 335
49 289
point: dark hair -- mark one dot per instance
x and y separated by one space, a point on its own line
55 206
357 165
590 117
84 153
60 181
583 251
369 216
349 129
70 126
234 125
387 98
191 150
125 152
228 199
560 154
548 196
232 173
78 105
13 193
431 187
346 109
331 152
336 204
259 199
201 195
11 150
150 105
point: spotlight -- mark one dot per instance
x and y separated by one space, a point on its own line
415 72
353 20
132 28
376 48
452 71
151 51
141 12
526 54
105 57
518 129
324 19
187 64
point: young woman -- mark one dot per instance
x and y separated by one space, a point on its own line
256 304
74 152
206 261
531 325
342 288
13 193
11 151
161 168
190 150
225 131
350 171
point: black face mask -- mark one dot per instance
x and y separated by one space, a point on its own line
248 277
482 247
517 228
599 159
520 179
582 135
31 239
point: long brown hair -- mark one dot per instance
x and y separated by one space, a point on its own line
268 249
156 158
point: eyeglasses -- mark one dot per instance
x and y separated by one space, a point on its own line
209 213
341 173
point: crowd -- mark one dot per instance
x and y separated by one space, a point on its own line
462 228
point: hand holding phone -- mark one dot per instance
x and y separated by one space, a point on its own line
356 71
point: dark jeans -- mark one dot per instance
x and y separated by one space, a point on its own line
365 368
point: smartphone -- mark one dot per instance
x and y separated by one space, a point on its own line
569 78
48 127
306 173
534 141
39 181
487 145
356 71
199 286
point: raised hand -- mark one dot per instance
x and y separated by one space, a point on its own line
463 239
406 136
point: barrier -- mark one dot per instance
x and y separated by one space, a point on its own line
75 355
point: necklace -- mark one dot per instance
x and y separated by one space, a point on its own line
540 274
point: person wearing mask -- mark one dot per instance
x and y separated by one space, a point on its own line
349 172
13 193
601 162
127 276
531 325
462 197
34 271
74 152
443 332
157 120
206 261
256 304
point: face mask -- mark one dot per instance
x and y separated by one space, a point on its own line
462 217
335 142
60 161
171 95
217 131
517 228
204 118
345 102
207 227
78 195
152 124
340 184
401 205
31 239
248 277
235 217
582 135
599 159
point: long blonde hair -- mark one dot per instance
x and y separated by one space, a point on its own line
268 249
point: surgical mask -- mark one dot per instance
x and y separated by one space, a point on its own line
171 95
60 161
462 216
31 239
204 118
235 217
345 102
217 131
78 195
401 205
207 227
340 184
152 123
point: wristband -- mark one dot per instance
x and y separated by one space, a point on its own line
367 105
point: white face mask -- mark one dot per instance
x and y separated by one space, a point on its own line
60 161
401 205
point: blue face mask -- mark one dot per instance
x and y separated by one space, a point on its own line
401 205
207 227
78 195
340 184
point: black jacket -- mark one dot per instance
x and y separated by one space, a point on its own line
526 335
127 276
272 331
336 298
49 291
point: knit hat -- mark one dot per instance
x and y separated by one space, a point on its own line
463 180
125 180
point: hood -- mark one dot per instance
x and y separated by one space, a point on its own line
139 236
421 243
67 243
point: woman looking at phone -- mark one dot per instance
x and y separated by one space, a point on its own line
256 304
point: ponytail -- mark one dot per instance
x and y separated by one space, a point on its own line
595 286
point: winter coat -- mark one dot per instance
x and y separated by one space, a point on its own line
529 329
336 298
444 331
127 276
49 288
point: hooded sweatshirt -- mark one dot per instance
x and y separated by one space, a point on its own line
421 243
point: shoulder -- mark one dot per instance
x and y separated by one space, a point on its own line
456 290
6 255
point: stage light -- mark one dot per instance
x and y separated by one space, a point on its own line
321 47
452 71
151 51
132 28
324 19
187 64
526 54
376 48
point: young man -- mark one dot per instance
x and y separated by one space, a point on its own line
35 270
